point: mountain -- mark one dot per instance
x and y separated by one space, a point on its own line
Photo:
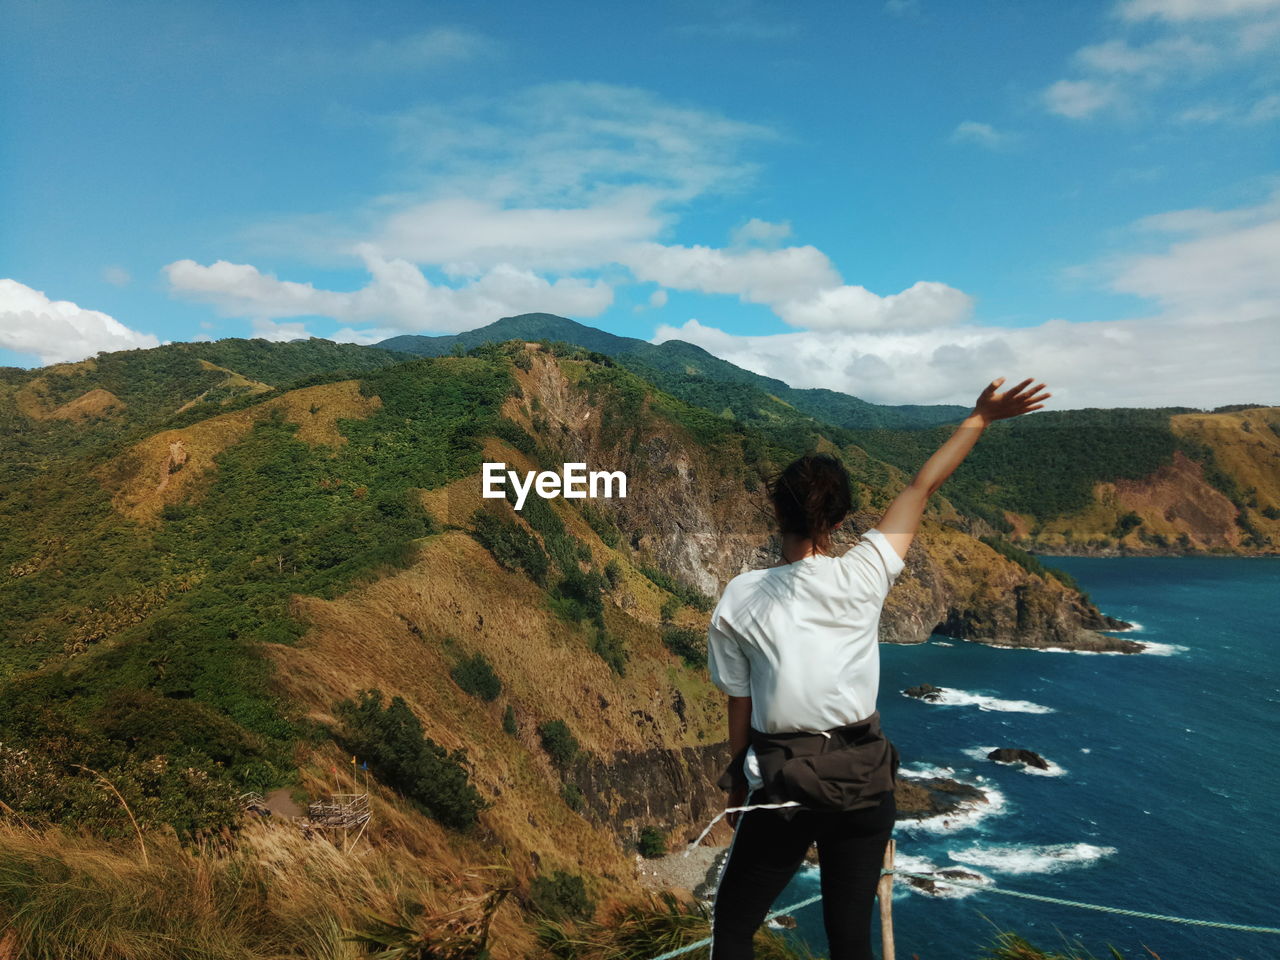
693 374
1095 481
262 560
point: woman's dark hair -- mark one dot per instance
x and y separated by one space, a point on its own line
811 496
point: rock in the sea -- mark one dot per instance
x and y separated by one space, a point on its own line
950 873
1015 755
925 691
918 798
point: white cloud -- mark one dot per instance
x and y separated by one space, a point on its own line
1101 364
1183 10
923 304
983 134
1215 281
1262 110
280 332
437 47
58 330
1162 56
555 181
116 276
1225 270
757 232
1078 99
658 298
398 297
466 236
1169 46
757 276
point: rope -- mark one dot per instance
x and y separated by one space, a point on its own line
1247 928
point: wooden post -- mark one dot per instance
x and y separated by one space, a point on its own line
884 892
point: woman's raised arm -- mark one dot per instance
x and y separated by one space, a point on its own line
901 521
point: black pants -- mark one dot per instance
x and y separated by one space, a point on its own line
767 850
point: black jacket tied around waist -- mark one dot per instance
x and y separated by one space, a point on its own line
847 768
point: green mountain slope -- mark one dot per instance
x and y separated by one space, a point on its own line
691 373
60 410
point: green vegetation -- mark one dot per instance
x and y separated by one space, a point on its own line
428 775
599 521
511 545
509 720
1031 564
682 592
1125 523
571 793
559 742
652 843
475 675
611 650
688 644
185 605
560 896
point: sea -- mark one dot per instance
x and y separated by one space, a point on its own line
1163 793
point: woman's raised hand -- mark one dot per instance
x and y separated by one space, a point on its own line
1000 406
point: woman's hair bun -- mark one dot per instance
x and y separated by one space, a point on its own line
811 496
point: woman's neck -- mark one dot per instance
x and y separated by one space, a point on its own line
795 547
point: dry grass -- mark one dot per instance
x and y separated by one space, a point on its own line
145 478
95 403
271 893
402 635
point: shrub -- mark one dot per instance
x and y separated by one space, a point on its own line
511 545
391 739
559 742
509 720
605 528
610 649
686 594
561 896
652 843
571 794
687 644
475 675
1126 523
613 572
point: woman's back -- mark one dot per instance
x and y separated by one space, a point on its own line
801 639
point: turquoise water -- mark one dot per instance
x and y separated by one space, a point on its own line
1167 783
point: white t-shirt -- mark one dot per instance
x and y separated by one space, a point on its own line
802 640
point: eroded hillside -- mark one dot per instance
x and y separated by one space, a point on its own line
213 598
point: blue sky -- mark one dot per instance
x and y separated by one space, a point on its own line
901 200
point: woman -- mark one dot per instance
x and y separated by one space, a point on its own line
795 647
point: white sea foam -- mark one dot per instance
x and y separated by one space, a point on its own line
924 770
1162 649
1030 857
942 643
910 864
967 814
950 697
980 753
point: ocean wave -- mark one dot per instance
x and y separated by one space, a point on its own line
918 769
950 697
906 863
1161 649
966 815
980 753
1031 857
